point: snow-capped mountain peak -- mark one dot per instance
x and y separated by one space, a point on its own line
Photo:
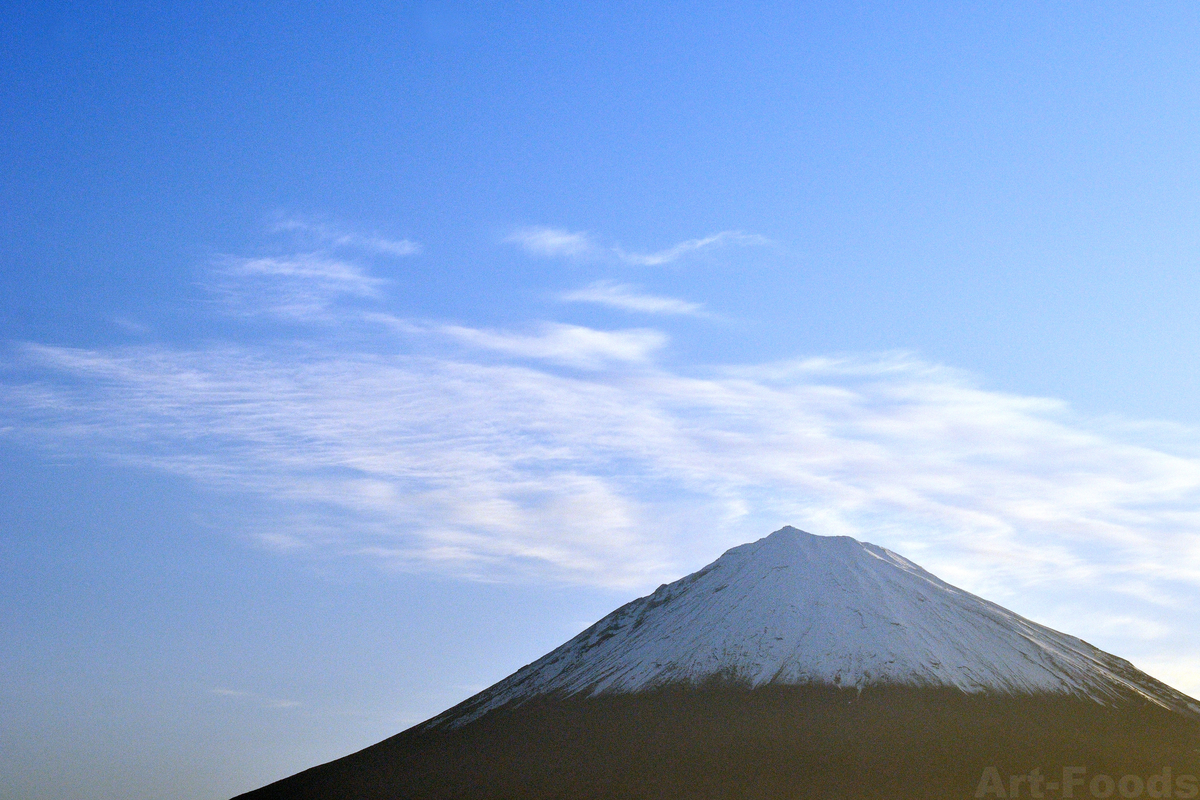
795 609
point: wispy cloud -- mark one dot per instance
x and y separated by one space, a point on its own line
557 243
131 326
629 298
476 460
485 459
553 242
680 250
572 345
300 286
552 342
338 238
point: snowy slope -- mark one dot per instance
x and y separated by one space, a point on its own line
795 608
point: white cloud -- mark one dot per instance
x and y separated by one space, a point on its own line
269 702
465 461
690 246
486 463
628 298
300 286
572 345
553 242
131 326
337 238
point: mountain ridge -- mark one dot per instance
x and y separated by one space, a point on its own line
794 608
797 666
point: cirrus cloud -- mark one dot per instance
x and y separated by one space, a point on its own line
298 286
552 242
678 251
548 242
629 298
472 451
337 238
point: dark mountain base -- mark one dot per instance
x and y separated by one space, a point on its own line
775 742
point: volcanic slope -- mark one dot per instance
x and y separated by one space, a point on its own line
794 666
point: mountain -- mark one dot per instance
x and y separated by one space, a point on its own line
794 666
795 609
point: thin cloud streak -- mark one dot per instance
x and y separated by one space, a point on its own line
672 254
547 242
553 242
572 345
552 342
337 238
269 702
131 326
299 286
628 298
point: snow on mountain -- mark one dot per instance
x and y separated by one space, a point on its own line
794 608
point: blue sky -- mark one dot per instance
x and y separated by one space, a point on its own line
353 356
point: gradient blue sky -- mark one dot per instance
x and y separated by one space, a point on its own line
352 355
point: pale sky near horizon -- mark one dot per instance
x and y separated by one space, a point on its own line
353 356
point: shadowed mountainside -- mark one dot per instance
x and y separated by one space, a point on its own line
797 666
770 742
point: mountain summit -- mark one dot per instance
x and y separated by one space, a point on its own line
797 666
796 609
